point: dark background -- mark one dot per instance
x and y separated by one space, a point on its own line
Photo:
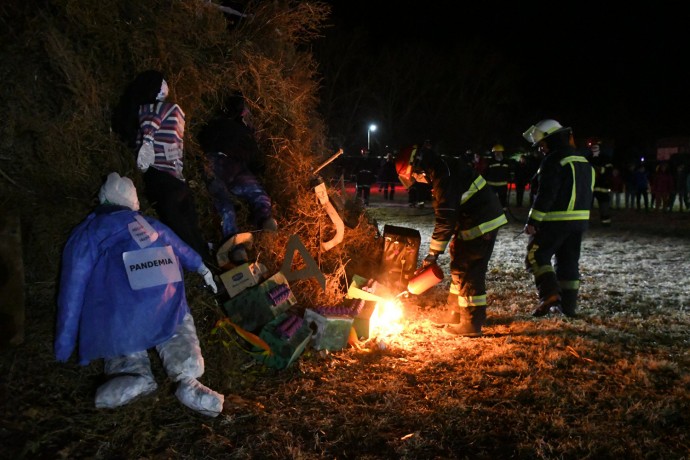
617 74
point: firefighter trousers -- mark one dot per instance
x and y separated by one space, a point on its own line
564 247
469 261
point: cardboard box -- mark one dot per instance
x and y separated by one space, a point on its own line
400 254
362 322
331 333
255 306
223 253
240 278
359 289
284 350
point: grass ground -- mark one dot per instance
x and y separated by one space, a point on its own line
611 383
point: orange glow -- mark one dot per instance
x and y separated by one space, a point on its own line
387 319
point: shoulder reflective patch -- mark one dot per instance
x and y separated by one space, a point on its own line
151 267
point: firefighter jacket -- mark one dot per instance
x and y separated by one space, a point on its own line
464 204
498 173
603 172
565 183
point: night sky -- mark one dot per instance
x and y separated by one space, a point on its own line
618 72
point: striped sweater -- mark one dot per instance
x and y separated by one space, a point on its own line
162 123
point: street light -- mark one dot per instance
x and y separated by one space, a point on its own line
369 131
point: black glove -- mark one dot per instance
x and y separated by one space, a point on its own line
430 259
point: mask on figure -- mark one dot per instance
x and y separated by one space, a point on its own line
163 92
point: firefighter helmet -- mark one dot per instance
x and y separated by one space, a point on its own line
497 148
542 130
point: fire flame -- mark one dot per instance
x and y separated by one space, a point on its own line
387 319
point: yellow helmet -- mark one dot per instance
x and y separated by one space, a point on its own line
497 148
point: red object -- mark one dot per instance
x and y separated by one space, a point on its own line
425 279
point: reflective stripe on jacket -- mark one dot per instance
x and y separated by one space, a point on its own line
565 188
464 204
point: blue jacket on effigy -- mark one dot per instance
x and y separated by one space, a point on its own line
121 285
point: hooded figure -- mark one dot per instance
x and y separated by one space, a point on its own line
468 215
154 128
235 164
122 292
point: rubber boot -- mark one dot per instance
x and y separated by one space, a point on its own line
549 294
471 321
449 316
549 305
569 302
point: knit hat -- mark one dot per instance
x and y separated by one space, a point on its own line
595 149
119 190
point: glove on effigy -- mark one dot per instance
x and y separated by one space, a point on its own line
146 156
208 278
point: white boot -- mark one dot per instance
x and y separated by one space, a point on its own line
130 377
200 398
123 389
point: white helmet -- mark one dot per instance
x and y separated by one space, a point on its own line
542 130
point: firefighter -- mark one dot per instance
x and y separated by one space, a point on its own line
467 218
558 218
498 173
603 172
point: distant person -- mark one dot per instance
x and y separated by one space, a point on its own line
365 178
523 174
630 191
122 293
387 177
154 128
480 163
498 174
662 186
418 193
680 189
558 218
468 157
641 183
617 188
602 183
467 218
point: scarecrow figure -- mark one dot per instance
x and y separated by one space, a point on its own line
235 162
154 128
122 292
